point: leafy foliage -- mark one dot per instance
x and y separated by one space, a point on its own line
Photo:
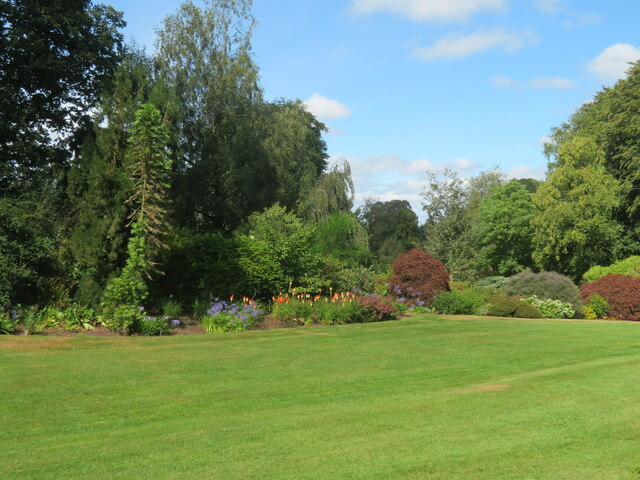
55 56
628 266
598 305
8 323
289 239
622 292
545 285
126 293
27 252
461 302
418 272
505 229
451 206
392 228
502 305
574 226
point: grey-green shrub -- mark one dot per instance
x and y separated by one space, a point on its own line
545 285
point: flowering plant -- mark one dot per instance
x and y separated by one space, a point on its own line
551 308
223 316
149 325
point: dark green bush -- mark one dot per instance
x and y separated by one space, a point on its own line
460 302
545 285
504 306
525 310
200 266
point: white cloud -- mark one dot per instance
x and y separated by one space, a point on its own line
479 42
548 6
326 108
502 81
613 62
555 83
428 10
582 20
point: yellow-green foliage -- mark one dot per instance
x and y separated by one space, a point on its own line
628 266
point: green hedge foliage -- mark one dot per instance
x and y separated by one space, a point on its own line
628 266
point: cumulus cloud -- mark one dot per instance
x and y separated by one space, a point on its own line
553 83
479 42
613 62
428 10
326 108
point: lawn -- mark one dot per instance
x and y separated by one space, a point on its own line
420 398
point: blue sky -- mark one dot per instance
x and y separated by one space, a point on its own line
407 86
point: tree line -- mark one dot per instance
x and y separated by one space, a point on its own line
127 177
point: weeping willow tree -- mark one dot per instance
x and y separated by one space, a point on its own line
333 192
329 205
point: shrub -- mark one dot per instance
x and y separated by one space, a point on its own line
526 310
628 266
199 266
418 273
505 306
598 305
152 326
225 316
551 308
376 307
545 285
8 322
461 302
622 292
170 307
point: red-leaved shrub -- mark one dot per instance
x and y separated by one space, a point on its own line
621 291
416 274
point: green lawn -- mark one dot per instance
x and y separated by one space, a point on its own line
420 398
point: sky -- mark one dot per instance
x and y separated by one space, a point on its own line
410 86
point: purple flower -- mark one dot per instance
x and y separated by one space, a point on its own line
175 323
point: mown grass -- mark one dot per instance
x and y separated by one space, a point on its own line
420 398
